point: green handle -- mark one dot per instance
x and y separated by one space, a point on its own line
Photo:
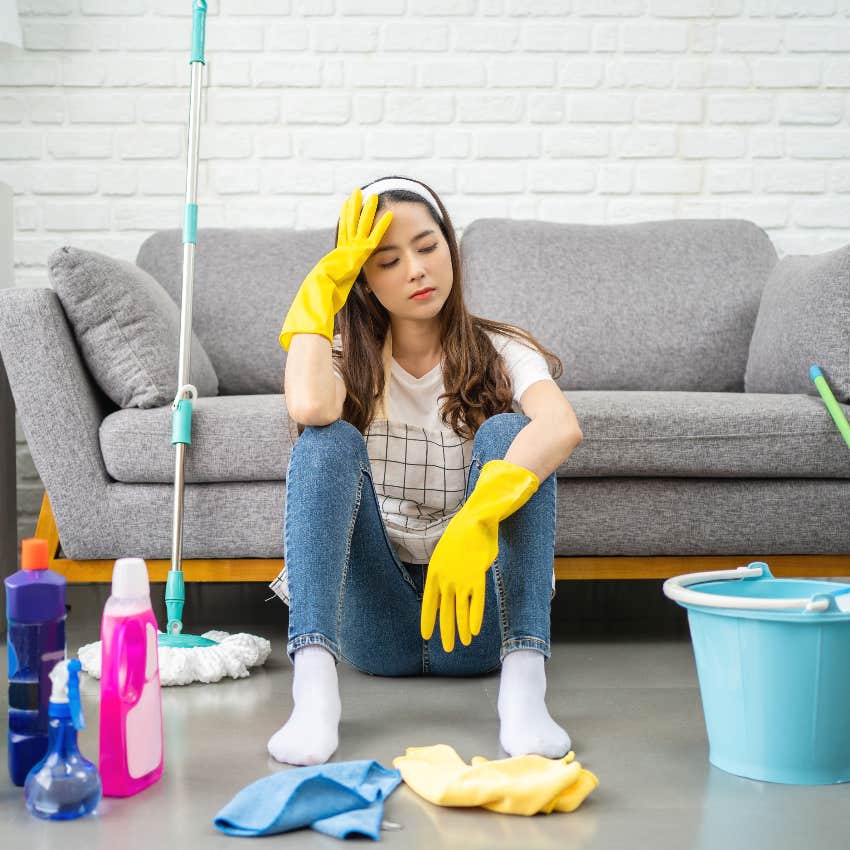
831 404
190 224
175 596
199 16
181 423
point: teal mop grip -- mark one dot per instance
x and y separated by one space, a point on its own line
199 15
175 596
190 224
181 423
831 404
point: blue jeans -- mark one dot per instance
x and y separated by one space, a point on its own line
350 592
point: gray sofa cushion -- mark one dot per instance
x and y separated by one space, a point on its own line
234 438
803 320
659 305
664 305
127 327
245 281
705 435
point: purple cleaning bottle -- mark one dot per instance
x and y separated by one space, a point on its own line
35 611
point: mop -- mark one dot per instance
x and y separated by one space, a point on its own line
209 657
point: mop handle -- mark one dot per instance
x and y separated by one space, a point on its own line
831 403
181 425
190 215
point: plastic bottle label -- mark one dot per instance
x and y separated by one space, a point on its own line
144 719
29 670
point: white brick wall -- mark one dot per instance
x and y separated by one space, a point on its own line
562 109
566 110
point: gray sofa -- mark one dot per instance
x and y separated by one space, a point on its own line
653 321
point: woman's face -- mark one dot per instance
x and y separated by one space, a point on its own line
412 255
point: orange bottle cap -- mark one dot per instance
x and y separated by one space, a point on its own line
34 554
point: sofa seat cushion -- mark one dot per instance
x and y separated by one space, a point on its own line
234 438
627 433
705 435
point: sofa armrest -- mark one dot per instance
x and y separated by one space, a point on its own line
60 405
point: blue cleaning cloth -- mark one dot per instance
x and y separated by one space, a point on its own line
338 799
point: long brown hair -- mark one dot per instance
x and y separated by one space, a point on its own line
477 384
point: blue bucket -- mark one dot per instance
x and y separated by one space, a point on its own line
773 662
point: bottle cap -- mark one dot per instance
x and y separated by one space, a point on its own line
34 555
130 578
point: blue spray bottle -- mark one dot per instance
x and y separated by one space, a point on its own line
64 784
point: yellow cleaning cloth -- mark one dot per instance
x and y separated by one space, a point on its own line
521 785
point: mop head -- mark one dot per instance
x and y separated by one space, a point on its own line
231 655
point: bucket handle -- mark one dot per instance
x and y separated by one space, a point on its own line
676 588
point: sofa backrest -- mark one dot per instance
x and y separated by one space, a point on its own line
245 280
659 305
664 305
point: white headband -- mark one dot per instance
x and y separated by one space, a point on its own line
387 183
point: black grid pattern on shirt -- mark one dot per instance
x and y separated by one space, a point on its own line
395 457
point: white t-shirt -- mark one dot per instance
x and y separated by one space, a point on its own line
415 401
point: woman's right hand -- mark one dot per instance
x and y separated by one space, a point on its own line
356 238
326 287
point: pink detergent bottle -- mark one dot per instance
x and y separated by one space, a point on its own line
131 740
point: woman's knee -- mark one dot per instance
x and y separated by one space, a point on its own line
335 441
495 435
339 429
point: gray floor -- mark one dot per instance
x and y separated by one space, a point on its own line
630 702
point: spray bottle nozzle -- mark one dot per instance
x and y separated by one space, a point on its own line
65 692
74 668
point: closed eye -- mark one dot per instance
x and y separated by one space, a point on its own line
423 251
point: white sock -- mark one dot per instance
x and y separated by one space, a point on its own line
526 726
311 735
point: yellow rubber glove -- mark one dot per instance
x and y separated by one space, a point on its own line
467 549
521 785
326 287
